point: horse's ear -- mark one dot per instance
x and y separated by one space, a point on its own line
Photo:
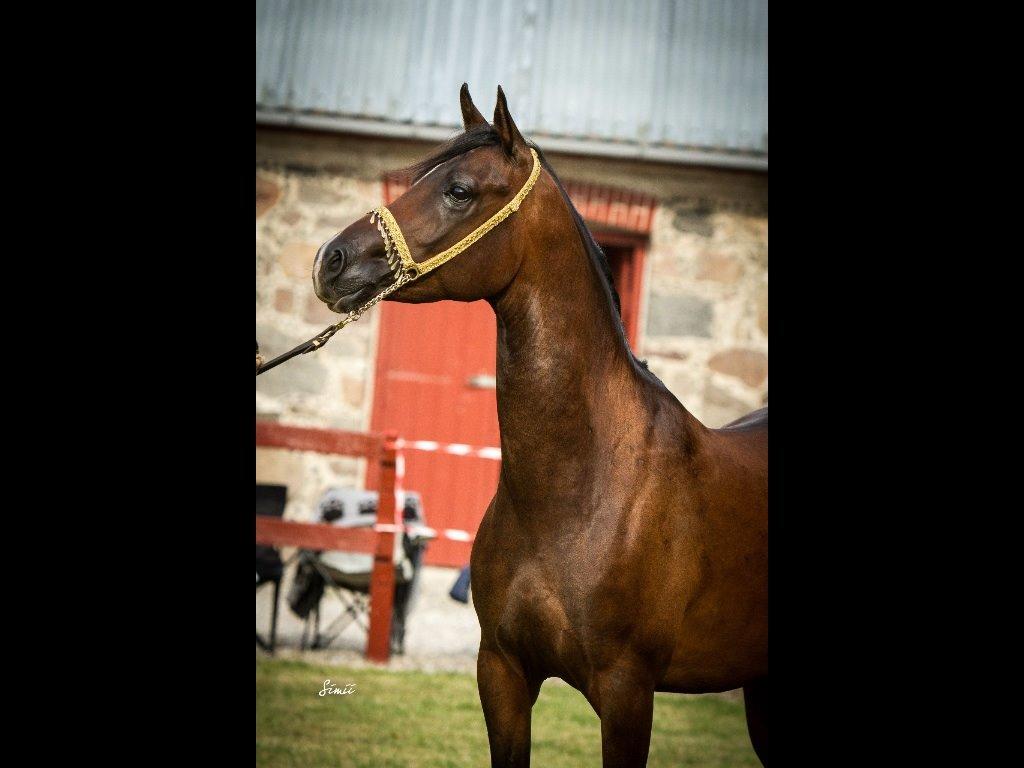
511 139
470 114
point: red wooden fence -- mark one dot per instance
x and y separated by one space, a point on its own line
379 449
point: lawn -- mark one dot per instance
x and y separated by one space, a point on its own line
434 721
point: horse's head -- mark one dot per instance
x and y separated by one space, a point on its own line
453 193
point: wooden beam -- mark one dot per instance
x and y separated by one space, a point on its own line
382 580
275 532
270 434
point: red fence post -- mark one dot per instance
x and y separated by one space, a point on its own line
382 580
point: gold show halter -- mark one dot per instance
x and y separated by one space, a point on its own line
401 262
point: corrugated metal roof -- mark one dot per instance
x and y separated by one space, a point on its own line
664 79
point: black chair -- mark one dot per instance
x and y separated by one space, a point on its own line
270 501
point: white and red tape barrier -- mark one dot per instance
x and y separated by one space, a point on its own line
432 446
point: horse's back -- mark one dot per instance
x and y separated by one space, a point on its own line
745 441
754 420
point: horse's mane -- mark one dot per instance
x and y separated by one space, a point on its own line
486 136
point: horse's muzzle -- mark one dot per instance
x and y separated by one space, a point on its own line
350 266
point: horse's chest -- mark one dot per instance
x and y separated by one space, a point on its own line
538 623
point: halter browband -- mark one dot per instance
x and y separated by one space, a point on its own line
401 262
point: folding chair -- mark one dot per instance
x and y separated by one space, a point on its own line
270 501
347 574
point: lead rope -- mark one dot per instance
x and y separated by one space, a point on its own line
324 336
401 263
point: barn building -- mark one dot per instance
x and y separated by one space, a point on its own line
665 155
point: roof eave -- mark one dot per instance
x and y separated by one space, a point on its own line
562 144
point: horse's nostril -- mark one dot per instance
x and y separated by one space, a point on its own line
337 260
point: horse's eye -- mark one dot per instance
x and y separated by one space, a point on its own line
458 193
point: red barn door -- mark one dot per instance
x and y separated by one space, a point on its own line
435 381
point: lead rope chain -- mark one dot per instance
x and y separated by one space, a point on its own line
401 263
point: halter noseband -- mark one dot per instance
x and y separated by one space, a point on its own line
401 263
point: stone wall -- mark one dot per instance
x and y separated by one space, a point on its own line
703 315
706 331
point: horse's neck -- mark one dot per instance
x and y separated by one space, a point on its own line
566 379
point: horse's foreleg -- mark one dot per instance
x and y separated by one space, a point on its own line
755 701
507 699
624 700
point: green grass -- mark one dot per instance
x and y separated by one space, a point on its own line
434 721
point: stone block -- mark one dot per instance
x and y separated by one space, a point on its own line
267 194
319 191
684 315
296 259
747 365
283 300
762 308
718 267
352 391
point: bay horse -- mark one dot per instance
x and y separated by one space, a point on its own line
626 547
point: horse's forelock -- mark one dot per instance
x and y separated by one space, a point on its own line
476 137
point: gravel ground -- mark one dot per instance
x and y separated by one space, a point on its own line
441 634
